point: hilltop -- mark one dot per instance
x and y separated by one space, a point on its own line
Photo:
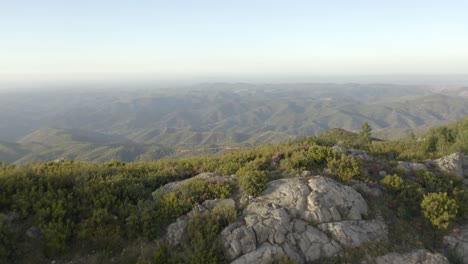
330 198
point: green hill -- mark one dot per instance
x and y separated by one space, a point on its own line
83 212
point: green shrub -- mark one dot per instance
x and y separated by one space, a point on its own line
283 259
252 182
7 241
101 232
393 183
162 254
439 209
344 167
202 242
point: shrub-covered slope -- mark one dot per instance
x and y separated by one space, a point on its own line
118 212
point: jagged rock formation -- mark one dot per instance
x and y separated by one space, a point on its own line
455 163
304 219
421 256
459 243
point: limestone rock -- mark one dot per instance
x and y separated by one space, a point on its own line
272 225
318 199
282 222
352 234
176 231
421 256
456 163
459 243
359 154
410 167
204 176
263 254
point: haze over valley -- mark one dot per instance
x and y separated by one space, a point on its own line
150 123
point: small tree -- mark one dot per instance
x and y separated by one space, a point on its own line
365 136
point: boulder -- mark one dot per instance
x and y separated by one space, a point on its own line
409 167
175 231
420 256
33 232
459 243
455 163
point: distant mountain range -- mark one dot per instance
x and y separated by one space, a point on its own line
147 124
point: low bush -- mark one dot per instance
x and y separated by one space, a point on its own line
251 182
439 209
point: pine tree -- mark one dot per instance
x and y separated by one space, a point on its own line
365 136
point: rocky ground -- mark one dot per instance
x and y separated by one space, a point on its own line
314 218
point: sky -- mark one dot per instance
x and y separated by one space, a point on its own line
177 39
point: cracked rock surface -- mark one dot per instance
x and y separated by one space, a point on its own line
304 219
459 243
421 256
352 234
455 163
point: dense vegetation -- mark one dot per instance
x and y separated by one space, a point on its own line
111 210
436 143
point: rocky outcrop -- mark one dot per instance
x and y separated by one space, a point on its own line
421 256
265 253
269 226
359 154
210 176
455 163
304 219
459 243
175 231
317 200
352 234
409 167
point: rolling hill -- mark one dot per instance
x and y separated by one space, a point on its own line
128 125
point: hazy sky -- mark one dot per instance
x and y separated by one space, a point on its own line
241 37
